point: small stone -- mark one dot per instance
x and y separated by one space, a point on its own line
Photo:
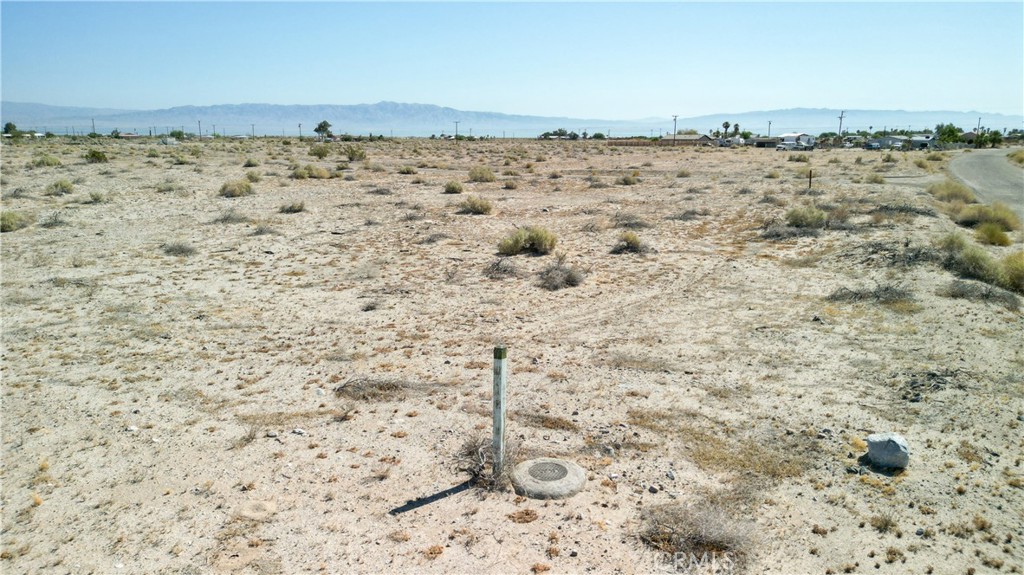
299 431
131 429
271 434
919 532
888 450
670 475
652 489
573 554
320 391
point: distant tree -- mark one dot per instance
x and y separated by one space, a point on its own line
687 132
323 129
115 133
948 133
725 127
10 128
735 130
177 134
745 134
598 136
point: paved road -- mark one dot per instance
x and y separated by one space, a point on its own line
992 177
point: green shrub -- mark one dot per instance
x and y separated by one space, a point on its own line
806 217
250 163
320 151
530 239
476 205
12 221
96 157
236 189
1013 272
683 173
253 176
875 179
407 170
293 208
46 161
311 171
889 158
949 191
354 153
992 234
510 185
453 187
60 188
481 174
773 175
935 157
798 158
998 213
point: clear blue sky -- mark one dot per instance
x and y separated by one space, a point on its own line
582 60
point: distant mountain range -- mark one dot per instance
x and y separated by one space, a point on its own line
398 119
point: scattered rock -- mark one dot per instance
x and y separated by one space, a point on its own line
652 489
888 450
299 431
670 475
131 429
271 433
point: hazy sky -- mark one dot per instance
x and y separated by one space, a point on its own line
582 60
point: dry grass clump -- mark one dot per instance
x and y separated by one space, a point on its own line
559 276
884 522
13 221
1013 272
61 187
179 249
236 189
407 170
476 457
476 205
977 291
969 260
96 157
232 217
798 158
481 174
311 171
629 243
292 208
875 179
949 191
250 163
628 180
1016 156
374 389
453 187
629 220
531 239
354 153
501 268
46 161
886 293
998 213
806 217
702 529
991 233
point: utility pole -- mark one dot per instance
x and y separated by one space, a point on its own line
215 129
769 128
674 131
94 124
200 129
457 130
253 126
300 131
841 114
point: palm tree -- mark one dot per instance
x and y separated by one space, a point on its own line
735 130
725 127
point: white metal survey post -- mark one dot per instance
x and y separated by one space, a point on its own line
500 383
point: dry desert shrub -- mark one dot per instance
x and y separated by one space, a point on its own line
481 174
45 161
292 208
806 217
977 291
559 276
701 529
311 171
476 457
1016 156
629 243
374 389
1013 272
875 179
231 216
991 233
453 187
629 220
998 213
968 260
885 293
179 249
531 239
501 268
236 189
12 221
96 157
475 205
61 187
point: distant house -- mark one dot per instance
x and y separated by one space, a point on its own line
763 142
886 142
686 140
969 137
799 138
922 141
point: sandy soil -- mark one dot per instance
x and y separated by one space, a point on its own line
260 405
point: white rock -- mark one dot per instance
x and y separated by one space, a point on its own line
888 450
299 431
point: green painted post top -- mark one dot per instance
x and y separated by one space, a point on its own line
500 352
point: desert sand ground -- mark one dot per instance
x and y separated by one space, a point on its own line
260 405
